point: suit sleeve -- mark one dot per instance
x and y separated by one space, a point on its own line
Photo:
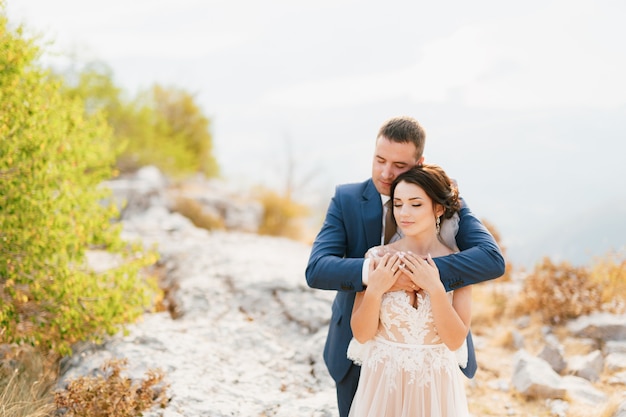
479 259
328 267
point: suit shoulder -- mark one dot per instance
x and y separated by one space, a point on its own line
353 188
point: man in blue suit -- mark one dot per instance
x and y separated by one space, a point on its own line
355 222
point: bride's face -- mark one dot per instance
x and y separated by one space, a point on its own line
413 210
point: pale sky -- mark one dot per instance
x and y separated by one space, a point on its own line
515 97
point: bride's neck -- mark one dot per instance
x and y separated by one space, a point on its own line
422 245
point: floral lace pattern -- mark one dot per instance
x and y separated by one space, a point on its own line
401 322
418 363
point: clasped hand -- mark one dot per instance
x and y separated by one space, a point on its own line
403 271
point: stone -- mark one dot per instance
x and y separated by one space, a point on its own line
602 326
587 366
553 354
614 346
614 362
534 377
581 390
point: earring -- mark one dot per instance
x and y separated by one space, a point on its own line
438 224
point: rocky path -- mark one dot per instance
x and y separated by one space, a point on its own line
250 333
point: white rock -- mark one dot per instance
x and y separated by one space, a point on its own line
535 377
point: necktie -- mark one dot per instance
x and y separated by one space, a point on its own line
390 223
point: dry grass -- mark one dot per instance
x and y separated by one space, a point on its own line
559 292
282 216
194 211
490 303
609 274
26 382
111 394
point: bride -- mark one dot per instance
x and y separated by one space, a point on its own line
405 341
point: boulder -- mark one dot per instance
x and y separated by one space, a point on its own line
587 366
534 377
553 354
614 362
602 326
581 390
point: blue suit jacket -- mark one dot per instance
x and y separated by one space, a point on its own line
353 224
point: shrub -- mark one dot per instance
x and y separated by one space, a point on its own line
609 274
52 159
194 211
161 126
281 215
111 394
559 291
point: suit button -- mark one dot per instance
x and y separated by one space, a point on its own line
347 286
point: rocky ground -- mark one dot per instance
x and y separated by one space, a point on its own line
244 334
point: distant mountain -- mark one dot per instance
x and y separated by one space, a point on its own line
577 239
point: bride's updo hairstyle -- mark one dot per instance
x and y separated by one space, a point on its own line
435 183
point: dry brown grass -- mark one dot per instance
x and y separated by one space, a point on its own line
490 302
609 274
282 216
27 389
558 292
194 211
112 394
26 381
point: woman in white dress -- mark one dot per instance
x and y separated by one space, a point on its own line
404 341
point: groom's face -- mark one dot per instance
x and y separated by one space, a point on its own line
390 160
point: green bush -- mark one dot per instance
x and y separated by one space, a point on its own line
53 156
161 126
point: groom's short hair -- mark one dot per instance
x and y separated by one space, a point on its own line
404 129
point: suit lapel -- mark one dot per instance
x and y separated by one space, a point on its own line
372 212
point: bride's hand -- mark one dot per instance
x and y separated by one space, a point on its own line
383 273
423 273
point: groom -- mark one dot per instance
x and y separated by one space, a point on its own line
355 222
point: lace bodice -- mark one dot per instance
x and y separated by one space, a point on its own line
402 322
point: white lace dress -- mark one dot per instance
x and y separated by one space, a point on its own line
405 369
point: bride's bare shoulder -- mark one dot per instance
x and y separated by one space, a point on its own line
380 251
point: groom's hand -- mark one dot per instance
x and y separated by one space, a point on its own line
404 283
